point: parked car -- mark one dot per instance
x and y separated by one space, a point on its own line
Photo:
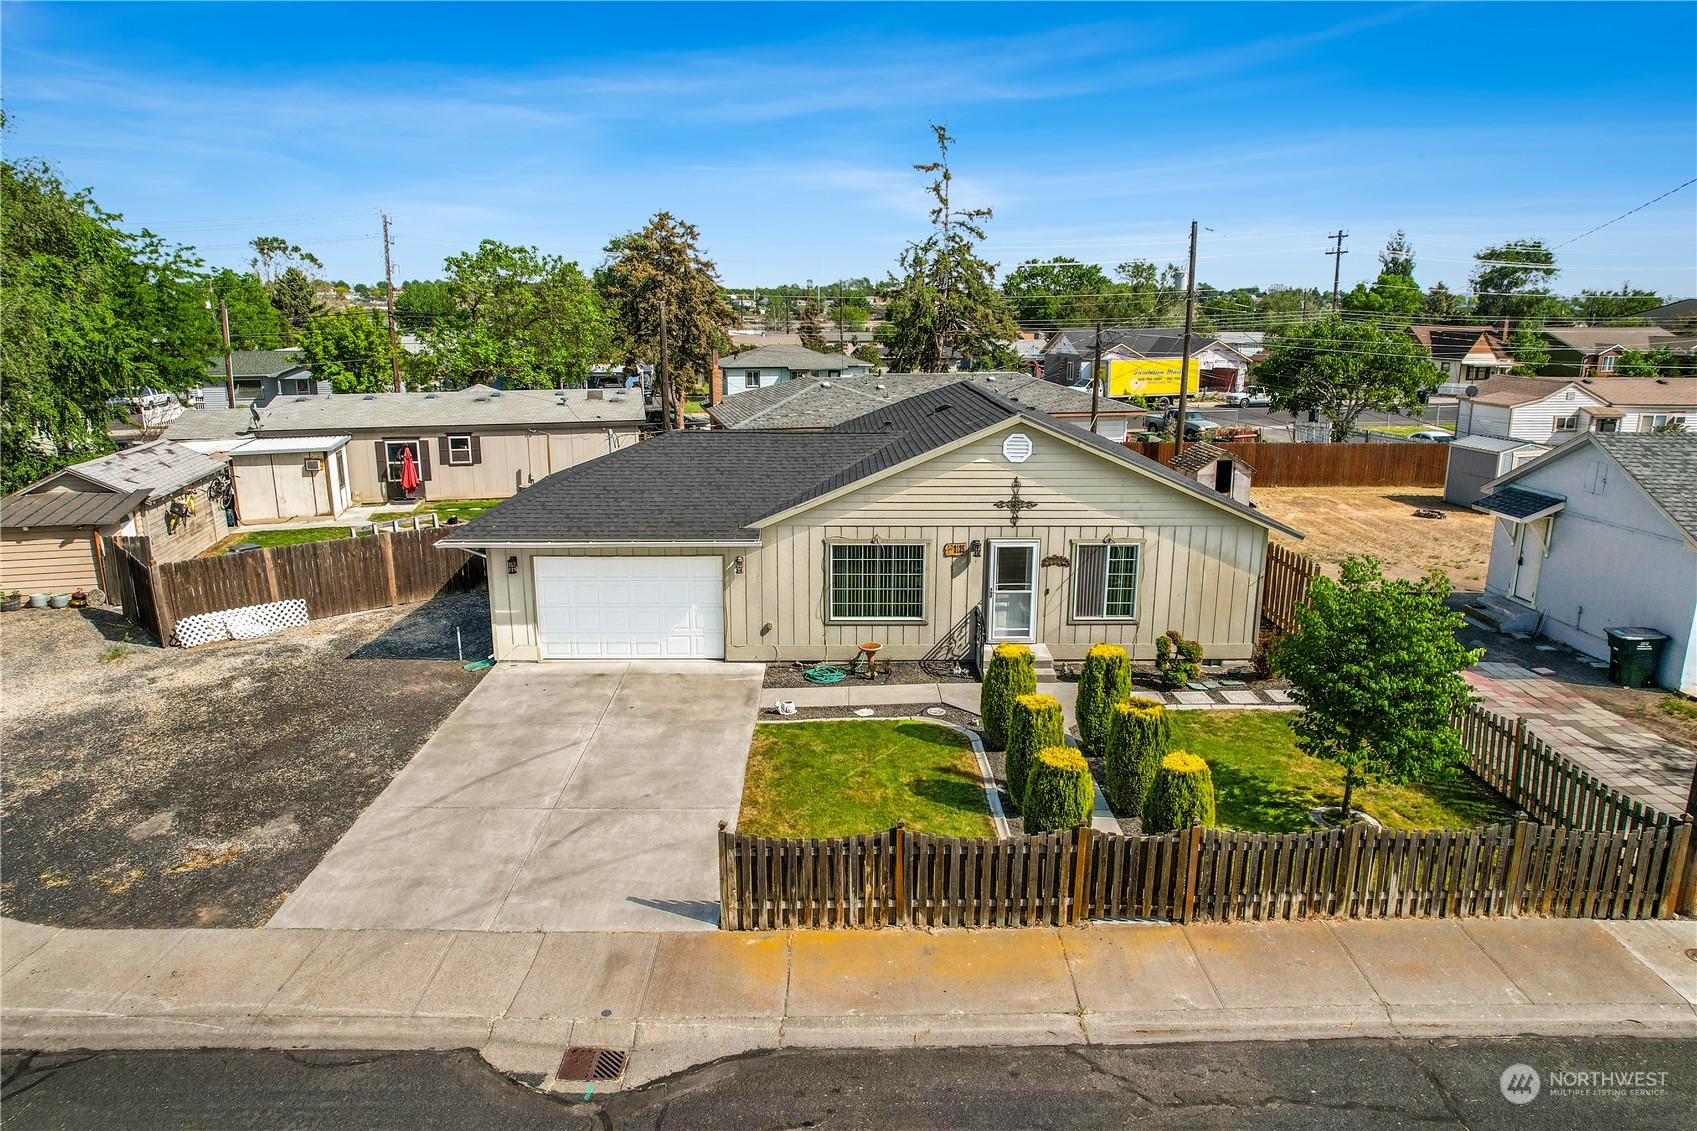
1196 426
1250 398
1431 437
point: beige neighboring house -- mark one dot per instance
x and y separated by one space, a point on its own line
165 492
904 526
1554 410
475 443
1467 355
1594 351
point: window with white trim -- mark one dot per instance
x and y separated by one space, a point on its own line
1607 362
1649 422
1104 581
1566 423
459 449
878 581
751 379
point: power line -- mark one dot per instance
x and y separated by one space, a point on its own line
1624 215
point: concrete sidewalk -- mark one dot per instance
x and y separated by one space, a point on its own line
674 1000
853 692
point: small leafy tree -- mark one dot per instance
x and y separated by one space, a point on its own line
1105 680
350 350
1181 795
1058 792
870 354
1036 724
1376 667
1178 660
1531 351
1012 673
1139 734
1341 368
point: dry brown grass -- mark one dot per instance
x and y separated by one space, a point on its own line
1340 521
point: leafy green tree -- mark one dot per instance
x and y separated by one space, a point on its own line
1376 668
519 316
1061 292
1150 296
1390 294
811 337
1614 306
254 323
295 297
273 255
1341 369
422 303
870 355
663 265
350 350
87 312
1443 305
1531 350
947 305
1511 281
1659 362
1398 256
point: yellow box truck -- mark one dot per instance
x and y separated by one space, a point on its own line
1149 377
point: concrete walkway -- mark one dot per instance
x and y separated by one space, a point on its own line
557 797
851 693
674 1000
1635 761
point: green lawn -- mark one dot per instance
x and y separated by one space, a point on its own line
1408 429
294 537
841 779
465 509
1262 783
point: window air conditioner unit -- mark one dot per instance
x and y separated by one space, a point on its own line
315 465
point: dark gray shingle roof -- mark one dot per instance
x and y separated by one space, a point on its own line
822 404
1518 503
253 363
160 467
1664 465
783 356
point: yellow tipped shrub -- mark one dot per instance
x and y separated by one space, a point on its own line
1181 795
1139 734
1012 673
1105 680
1058 791
1037 723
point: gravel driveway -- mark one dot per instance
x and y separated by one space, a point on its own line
148 787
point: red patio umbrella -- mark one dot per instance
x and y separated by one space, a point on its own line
409 472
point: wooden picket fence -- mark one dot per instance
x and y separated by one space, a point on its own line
1328 465
343 575
1284 585
896 878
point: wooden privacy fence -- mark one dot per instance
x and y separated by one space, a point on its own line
1284 585
343 575
1329 465
896 878
1535 778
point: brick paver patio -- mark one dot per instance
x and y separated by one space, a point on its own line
1634 761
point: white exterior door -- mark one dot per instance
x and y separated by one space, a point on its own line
591 608
1013 591
1529 558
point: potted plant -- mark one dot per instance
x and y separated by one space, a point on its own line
11 601
38 600
79 599
59 601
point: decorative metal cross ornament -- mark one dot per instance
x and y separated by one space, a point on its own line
1015 504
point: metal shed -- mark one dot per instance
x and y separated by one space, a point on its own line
1476 460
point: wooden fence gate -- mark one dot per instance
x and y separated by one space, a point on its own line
1284 585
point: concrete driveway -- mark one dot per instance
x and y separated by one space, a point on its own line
569 797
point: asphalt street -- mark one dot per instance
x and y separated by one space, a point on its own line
1277 425
1295 1084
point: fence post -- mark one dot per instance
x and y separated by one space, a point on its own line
1192 865
727 893
1518 764
901 873
270 572
1081 873
1516 872
1346 881
388 544
1679 894
162 611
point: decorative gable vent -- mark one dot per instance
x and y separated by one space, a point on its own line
1017 448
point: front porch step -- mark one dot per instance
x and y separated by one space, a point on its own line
1504 615
1041 659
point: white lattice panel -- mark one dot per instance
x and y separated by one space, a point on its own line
240 624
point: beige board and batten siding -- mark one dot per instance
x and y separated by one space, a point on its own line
49 559
189 538
1200 567
509 460
280 486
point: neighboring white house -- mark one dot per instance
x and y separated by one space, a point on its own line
1601 533
768 365
1468 355
912 526
1549 410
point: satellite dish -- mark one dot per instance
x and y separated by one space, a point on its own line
1472 390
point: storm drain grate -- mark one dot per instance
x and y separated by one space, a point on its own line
592 1064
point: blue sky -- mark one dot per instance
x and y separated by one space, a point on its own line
786 133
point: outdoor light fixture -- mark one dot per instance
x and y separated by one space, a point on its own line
977 548
512 563
736 563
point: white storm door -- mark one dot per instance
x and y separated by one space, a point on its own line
1529 558
662 608
1013 591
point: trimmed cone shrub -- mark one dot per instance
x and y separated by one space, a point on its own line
1105 680
1037 724
1178 660
1012 673
1058 791
1181 795
1139 735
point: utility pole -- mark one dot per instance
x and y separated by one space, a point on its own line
665 375
1337 261
1184 357
1096 380
229 358
841 348
389 298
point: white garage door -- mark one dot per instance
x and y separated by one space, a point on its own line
630 608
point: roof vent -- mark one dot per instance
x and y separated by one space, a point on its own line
300 400
880 386
824 384
370 396
1661 380
430 396
1585 380
496 393
992 380
595 394
475 400
944 407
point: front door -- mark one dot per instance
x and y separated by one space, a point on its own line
1013 591
1529 558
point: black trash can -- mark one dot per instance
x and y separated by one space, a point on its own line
1635 655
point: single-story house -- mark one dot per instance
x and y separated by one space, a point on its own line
1476 460
900 526
769 365
1153 352
1468 355
261 376
1594 351
474 443
50 531
1555 410
283 477
816 405
1216 468
1599 534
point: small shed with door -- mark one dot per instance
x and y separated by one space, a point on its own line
284 477
1218 469
1476 460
